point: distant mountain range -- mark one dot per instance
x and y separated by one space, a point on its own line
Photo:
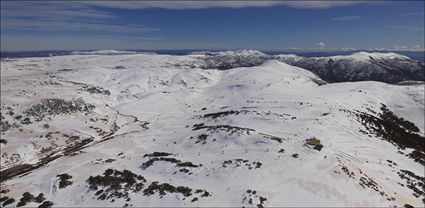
416 55
341 66
360 66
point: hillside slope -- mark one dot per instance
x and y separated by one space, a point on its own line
157 130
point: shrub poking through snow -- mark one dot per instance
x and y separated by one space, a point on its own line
56 107
115 184
162 188
64 180
46 204
396 130
161 156
8 201
28 197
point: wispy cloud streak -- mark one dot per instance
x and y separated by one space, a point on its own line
62 16
347 18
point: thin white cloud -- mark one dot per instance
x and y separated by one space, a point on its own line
62 16
57 12
222 4
412 14
348 49
400 48
407 48
37 9
347 18
79 42
42 25
86 15
202 4
406 27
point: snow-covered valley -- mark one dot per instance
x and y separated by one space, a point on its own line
161 130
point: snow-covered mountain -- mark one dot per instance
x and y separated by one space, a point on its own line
360 66
159 130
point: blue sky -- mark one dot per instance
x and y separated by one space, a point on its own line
265 25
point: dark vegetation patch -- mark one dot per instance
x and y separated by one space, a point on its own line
366 182
5 199
110 160
398 131
95 89
76 146
152 160
418 156
346 171
295 155
65 70
46 204
7 112
184 170
55 106
318 81
119 67
26 121
100 131
237 112
221 114
24 168
64 180
115 184
241 162
45 83
8 201
160 156
252 195
275 138
14 170
5 125
164 188
3 141
202 138
28 197
4 191
414 182
187 164
391 163
228 128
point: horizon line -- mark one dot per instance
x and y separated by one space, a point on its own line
218 49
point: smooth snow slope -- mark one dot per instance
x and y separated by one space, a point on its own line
243 129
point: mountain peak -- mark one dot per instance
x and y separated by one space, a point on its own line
377 55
